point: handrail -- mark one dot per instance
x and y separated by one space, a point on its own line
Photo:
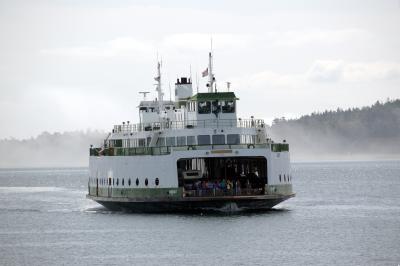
216 192
164 150
188 124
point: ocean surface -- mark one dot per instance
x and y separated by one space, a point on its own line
345 213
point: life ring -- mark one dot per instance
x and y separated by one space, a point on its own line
250 145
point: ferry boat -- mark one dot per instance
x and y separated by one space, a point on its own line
190 155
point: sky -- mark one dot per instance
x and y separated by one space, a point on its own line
78 65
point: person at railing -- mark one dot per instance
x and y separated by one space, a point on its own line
222 184
237 187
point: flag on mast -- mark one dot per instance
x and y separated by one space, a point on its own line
204 73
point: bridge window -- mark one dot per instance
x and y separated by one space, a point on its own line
170 141
181 141
157 182
218 139
228 106
129 182
191 140
123 181
233 139
203 139
117 181
204 107
137 181
146 182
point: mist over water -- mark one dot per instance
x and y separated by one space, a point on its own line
343 214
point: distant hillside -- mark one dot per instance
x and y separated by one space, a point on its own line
49 150
368 133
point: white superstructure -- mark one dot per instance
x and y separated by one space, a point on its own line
189 150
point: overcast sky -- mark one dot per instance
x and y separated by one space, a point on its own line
69 65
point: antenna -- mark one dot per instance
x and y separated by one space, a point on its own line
197 82
190 71
144 94
169 84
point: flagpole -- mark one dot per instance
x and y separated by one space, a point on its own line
210 73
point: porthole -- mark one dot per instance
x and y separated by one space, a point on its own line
123 181
157 182
117 181
146 182
137 181
280 178
129 182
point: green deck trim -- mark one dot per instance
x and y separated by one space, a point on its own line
142 193
282 189
212 96
171 193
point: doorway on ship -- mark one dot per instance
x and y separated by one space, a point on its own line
222 176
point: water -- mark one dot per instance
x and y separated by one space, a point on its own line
344 214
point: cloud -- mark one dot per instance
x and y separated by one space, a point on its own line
128 46
124 46
317 36
338 70
327 71
201 41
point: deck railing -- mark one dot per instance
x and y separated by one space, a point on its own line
215 192
213 123
167 149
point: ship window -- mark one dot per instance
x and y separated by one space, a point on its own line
148 141
113 181
228 106
146 182
284 178
191 140
203 139
204 107
170 141
161 142
143 109
137 181
109 181
280 178
218 139
117 181
142 142
157 182
233 139
123 181
181 141
129 182
118 143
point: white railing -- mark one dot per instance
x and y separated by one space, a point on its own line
213 123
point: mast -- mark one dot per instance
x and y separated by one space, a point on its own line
210 74
159 89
